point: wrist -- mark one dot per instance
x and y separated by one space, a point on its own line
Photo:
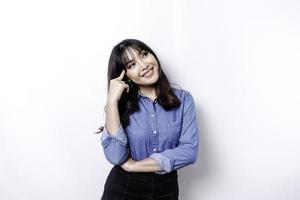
110 104
134 166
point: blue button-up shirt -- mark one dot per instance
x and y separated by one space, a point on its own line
169 137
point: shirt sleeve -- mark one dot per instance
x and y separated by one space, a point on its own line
186 152
115 146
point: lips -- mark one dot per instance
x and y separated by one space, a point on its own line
147 71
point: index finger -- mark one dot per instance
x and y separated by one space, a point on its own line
121 75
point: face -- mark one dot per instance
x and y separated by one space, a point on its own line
142 67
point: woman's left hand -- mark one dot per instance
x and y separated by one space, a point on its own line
129 165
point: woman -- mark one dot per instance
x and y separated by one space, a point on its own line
150 130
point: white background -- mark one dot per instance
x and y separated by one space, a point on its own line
239 59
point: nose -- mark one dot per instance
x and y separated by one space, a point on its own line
144 65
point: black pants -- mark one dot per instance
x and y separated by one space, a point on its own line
123 185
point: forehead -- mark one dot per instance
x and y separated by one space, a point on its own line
130 53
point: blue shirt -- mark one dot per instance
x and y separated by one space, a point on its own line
170 137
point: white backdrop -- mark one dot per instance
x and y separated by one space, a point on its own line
239 59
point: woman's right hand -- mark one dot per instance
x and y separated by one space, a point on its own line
116 88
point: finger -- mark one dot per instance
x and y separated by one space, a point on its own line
121 75
127 87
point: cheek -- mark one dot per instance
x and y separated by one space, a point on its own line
131 74
128 75
157 68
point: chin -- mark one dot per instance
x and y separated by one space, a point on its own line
148 83
151 80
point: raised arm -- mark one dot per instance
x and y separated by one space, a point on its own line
114 139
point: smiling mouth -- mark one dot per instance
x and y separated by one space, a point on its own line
151 69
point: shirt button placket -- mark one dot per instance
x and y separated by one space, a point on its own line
154 142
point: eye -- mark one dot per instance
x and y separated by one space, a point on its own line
130 65
145 53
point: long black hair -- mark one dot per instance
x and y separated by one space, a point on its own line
128 102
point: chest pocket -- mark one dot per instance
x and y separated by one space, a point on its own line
174 130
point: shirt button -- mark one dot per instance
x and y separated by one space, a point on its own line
154 132
154 149
152 115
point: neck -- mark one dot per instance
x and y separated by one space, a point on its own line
148 91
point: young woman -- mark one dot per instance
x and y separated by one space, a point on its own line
150 129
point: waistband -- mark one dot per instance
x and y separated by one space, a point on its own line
145 174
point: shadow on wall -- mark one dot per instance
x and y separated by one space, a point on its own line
193 177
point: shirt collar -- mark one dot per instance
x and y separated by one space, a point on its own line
141 95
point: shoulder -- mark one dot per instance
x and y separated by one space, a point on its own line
187 101
182 94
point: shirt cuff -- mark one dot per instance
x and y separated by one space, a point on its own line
163 162
118 135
